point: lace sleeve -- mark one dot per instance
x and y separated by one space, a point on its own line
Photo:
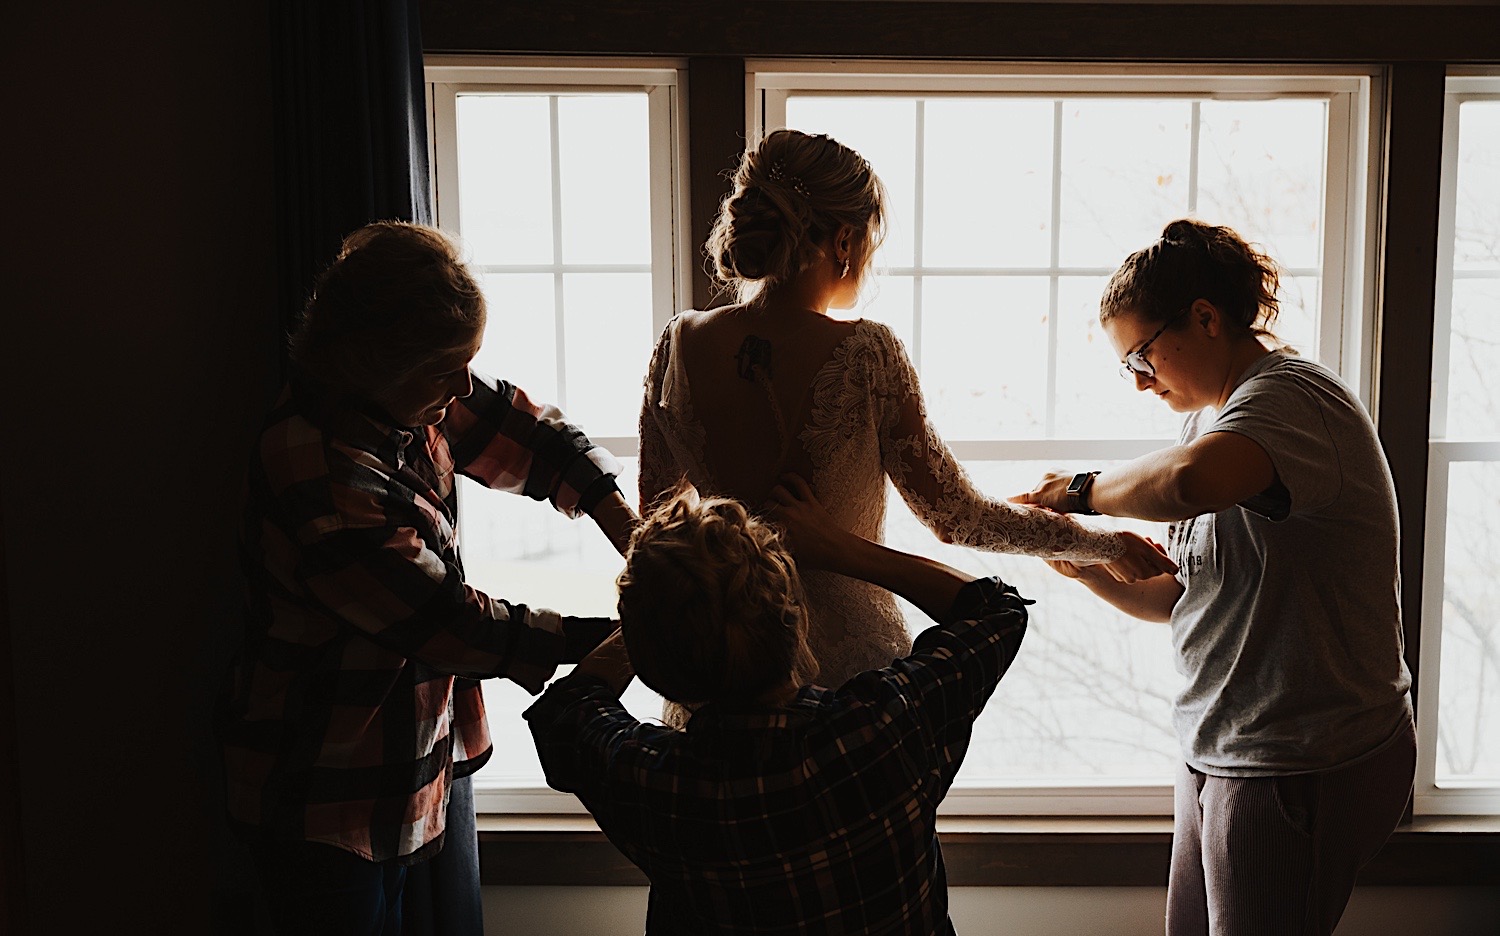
659 469
939 491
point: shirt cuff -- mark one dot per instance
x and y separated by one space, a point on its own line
583 634
981 597
596 492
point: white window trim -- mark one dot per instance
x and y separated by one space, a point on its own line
664 82
1457 798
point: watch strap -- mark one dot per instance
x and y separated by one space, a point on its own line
1078 493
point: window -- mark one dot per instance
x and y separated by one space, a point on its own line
1458 766
561 185
1014 197
1006 223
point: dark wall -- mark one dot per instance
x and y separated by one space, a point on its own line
135 355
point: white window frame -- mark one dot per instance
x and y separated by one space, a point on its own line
1348 262
1346 308
1460 797
663 81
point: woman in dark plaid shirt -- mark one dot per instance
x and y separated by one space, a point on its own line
353 709
782 808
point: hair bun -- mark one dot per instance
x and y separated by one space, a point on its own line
1183 232
1222 267
790 193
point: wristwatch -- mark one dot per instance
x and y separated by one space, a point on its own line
1078 493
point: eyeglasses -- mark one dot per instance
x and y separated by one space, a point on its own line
1136 363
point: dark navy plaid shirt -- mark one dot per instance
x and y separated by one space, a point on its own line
818 817
349 713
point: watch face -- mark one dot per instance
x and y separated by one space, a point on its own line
1079 482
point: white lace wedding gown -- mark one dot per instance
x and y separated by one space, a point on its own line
867 422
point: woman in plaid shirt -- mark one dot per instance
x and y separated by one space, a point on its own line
353 705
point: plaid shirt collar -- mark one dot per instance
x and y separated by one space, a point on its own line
350 419
715 718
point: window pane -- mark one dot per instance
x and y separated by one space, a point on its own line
1093 401
988 183
505 177
1474 360
1474 343
1260 171
524 551
1468 746
1477 211
887 299
520 335
608 340
1297 325
883 131
1089 695
1124 176
984 355
604 158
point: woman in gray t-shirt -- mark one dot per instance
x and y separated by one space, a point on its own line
1295 720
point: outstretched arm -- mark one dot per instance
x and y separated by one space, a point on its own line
941 495
820 543
616 520
506 441
1150 600
1212 473
609 663
955 664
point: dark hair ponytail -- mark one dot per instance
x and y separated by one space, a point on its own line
1191 261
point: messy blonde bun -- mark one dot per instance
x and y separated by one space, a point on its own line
790 194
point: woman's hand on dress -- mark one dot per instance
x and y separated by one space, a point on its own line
1051 492
813 536
1144 559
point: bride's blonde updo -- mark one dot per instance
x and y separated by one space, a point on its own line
790 194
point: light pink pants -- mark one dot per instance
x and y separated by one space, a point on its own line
1278 855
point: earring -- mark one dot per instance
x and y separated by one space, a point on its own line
846 268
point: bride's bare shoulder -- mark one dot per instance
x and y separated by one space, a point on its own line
698 320
731 322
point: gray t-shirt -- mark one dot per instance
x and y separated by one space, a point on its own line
1289 630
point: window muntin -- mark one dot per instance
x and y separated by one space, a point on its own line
1458 767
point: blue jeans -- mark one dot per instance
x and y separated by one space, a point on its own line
442 895
312 888
315 889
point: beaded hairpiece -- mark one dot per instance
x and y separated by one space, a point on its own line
778 174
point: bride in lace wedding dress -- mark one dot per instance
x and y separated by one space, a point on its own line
738 395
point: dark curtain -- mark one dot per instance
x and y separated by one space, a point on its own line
351 148
351 129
